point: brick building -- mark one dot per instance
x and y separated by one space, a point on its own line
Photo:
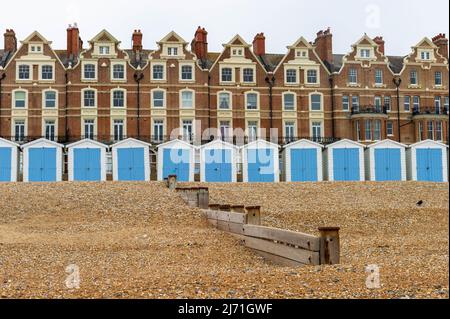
105 92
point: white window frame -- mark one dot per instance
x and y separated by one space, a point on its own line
181 99
181 65
95 98
375 130
124 64
13 127
356 76
38 48
294 129
237 51
124 127
83 64
54 119
391 124
258 128
311 130
164 101
257 100
191 138
385 99
310 101
253 68
283 98
30 66
53 72
379 75
231 100
124 98
44 99
436 125
13 99
370 50
317 76
233 74
163 64
346 109
416 77
297 78
409 99
153 133
83 119
435 77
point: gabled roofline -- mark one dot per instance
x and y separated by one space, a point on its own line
9 142
248 46
428 141
87 141
345 140
303 141
170 34
104 31
22 43
41 140
176 141
260 140
219 141
130 139
387 141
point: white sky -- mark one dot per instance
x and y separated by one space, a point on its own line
403 23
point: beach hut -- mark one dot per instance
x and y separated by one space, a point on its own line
42 161
385 161
176 157
427 161
303 161
131 160
218 161
260 162
87 161
344 161
9 157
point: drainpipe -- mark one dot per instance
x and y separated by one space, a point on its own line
397 82
330 80
66 129
209 103
2 77
271 82
138 77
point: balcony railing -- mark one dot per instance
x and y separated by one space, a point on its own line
156 140
427 110
369 110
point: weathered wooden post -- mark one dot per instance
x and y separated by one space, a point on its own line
172 182
329 245
192 195
203 197
253 215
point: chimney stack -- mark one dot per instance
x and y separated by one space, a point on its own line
200 43
74 43
442 42
10 41
379 40
324 45
259 44
137 40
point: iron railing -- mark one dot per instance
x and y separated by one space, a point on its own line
369 110
427 110
156 140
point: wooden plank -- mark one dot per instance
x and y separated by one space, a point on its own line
236 228
297 254
231 217
277 260
301 240
223 225
211 214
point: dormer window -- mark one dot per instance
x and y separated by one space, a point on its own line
35 48
104 50
365 53
172 51
425 55
301 54
237 52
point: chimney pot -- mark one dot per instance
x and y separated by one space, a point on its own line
10 41
259 44
324 45
199 44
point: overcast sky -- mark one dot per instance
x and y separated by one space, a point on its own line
403 23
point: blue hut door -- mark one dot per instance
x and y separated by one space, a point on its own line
42 164
131 165
260 165
218 165
429 165
304 165
87 165
346 164
176 162
5 164
387 165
